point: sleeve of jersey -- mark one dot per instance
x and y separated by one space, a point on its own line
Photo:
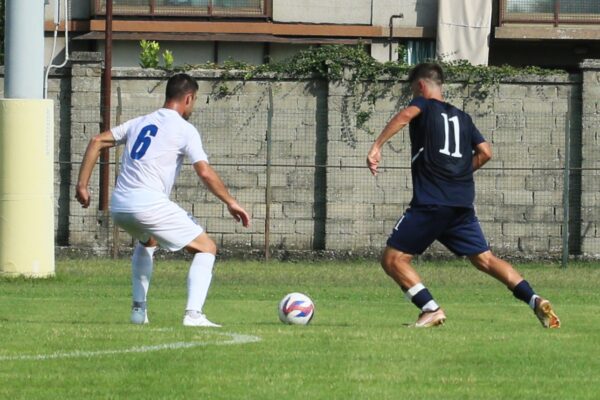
120 132
420 102
195 151
476 137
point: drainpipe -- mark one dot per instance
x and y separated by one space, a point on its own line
395 16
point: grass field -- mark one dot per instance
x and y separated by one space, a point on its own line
69 337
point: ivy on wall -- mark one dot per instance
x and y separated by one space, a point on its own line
365 79
342 62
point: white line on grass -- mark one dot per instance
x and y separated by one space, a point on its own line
234 338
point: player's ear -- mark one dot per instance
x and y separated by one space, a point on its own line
189 98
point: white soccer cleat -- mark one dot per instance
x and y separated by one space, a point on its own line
198 320
545 313
139 316
427 319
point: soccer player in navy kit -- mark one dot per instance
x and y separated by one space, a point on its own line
446 148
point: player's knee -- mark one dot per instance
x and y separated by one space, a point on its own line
211 247
387 261
391 259
385 264
483 261
203 244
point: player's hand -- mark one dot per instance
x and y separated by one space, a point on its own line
373 159
239 214
83 196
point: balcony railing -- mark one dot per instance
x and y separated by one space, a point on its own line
555 12
186 8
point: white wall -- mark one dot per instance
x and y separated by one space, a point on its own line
281 51
416 12
59 54
251 53
381 51
78 9
127 53
323 11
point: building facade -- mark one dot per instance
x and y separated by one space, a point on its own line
552 33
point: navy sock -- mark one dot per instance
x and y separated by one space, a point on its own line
523 291
421 298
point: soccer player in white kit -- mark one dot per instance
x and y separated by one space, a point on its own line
155 146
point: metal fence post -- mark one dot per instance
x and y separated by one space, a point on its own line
566 193
268 176
118 152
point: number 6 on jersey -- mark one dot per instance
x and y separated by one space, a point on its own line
143 141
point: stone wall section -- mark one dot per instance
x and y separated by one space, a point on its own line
322 196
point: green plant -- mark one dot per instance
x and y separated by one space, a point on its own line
149 54
362 117
364 78
402 53
223 90
168 59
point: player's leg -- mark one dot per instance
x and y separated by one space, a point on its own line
398 266
465 237
496 267
199 280
521 289
141 264
141 273
174 229
412 234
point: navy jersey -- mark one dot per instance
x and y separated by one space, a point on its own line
442 140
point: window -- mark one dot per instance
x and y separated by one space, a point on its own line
418 51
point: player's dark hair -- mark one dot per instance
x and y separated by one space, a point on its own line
431 71
179 85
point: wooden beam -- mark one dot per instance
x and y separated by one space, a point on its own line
262 28
74 26
220 37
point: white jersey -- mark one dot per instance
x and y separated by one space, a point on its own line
155 145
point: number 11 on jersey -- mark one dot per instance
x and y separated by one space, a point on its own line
456 129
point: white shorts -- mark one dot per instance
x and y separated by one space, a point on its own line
168 223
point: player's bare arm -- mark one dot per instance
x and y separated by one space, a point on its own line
95 146
214 183
483 154
398 122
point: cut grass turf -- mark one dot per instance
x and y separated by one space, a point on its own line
69 336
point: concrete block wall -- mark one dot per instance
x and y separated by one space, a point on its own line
314 124
519 193
586 152
232 117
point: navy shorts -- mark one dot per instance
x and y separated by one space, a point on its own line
456 228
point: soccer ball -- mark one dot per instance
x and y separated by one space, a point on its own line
296 309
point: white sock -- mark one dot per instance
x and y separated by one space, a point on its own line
532 301
413 290
198 281
141 272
